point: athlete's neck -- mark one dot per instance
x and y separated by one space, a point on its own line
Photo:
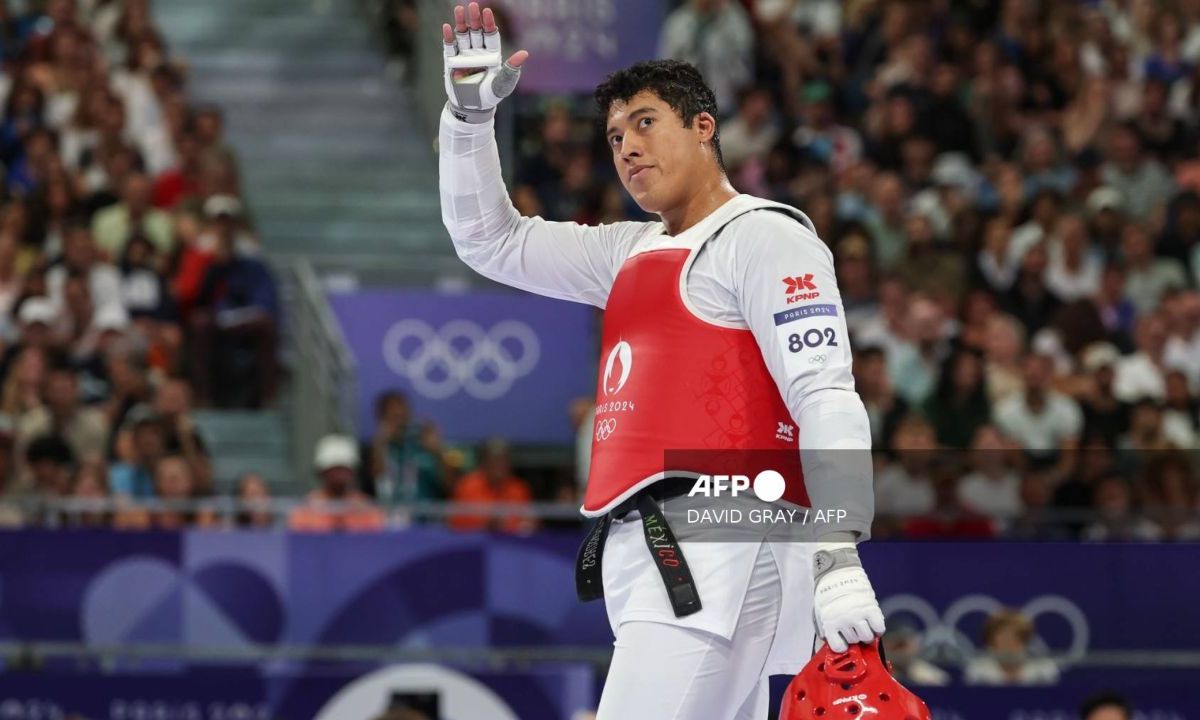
698 205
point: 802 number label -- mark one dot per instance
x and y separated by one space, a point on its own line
812 338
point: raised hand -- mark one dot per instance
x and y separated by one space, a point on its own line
477 78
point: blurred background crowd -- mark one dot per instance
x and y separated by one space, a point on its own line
126 261
1011 191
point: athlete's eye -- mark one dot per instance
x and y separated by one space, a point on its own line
614 140
645 122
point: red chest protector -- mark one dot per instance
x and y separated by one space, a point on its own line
671 383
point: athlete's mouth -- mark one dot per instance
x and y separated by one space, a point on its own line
638 171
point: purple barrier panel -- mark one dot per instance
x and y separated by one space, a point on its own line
232 693
478 364
427 586
575 45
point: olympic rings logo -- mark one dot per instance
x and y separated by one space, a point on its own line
943 636
461 355
605 428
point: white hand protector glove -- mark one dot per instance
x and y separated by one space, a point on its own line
846 609
476 76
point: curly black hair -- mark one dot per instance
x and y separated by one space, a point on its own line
677 83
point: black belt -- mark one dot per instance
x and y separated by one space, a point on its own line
664 548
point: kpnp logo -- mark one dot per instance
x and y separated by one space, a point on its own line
786 432
801 287
768 485
620 363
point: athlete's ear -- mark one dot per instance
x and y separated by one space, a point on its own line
706 126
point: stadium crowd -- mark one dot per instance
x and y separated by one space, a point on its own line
126 259
1011 191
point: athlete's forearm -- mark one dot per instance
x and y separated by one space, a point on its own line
562 260
835 441
476 208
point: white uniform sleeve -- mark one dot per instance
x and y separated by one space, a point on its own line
787 293
562 260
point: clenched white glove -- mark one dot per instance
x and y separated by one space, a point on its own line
846 609
477 78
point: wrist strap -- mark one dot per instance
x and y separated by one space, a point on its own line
475 117
826 561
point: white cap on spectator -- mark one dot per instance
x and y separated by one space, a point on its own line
1099 355
219 205
954 169
37 310
111 316
1105 198
336 451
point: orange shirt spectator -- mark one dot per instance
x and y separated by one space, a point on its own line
337 505
493 482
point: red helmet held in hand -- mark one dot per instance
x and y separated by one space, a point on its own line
853 684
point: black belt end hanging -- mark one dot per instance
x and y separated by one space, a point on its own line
668 556
589 580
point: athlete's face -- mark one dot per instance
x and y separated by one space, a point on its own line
655 155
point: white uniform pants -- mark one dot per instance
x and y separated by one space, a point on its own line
666 672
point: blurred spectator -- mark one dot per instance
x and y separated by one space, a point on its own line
236 310
1004 348
1147 431
173 484
1116 521
10 514
888 329
1043 421
493 482
50 462
993 486
884 407
24 380
405 464
1029 300
902 643
1169 485
1106 706
337 505
1140 375
1147 277
1181 412
752 132
255 497
1006 637
172 406
114 225
950 518
716 36
914 362
143 290
85 429
856 278
134 478
80 258
1074 268
1103 413
90 484
959 406
1037 519
1142 181
903 488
